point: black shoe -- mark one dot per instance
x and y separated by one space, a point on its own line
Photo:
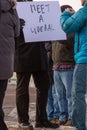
46 124
26 126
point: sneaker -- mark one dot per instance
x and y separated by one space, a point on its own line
46 124
68 123
26 126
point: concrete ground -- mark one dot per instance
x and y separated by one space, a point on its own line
10 108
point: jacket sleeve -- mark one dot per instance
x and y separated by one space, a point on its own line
72 23
17 24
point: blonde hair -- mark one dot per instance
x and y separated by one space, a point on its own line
13 3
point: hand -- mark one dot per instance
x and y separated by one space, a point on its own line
72 11
22 23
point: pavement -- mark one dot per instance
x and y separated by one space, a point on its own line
9 107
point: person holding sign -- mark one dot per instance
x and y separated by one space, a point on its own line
9 31
31 59
77 23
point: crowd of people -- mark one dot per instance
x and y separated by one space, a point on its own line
58 68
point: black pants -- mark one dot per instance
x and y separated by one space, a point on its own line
42 83
3 86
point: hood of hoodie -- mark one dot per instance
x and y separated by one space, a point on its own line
5 5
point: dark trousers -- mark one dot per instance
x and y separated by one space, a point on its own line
42 83
3 86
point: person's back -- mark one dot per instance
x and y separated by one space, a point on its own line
63 66
9 31
62 51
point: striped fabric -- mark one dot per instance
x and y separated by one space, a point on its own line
63 67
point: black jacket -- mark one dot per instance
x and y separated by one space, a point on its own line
30 56
63 51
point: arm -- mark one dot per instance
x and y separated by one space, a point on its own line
72 23
16 28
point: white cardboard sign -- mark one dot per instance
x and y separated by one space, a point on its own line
42 21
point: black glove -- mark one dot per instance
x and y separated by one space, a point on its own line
22 23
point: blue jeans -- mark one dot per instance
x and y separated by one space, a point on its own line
78 94
52 104
63 86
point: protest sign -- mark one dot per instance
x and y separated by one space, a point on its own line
42 21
